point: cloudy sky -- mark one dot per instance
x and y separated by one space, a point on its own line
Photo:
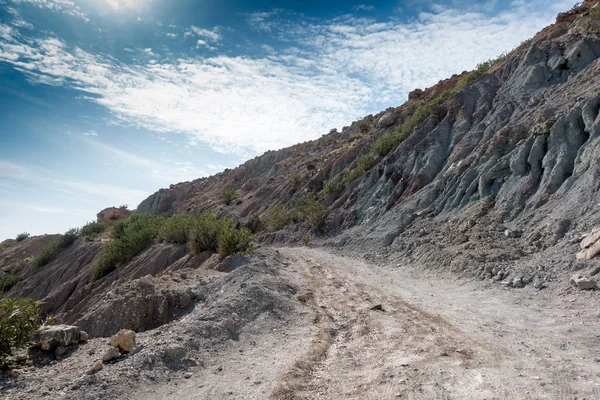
102 102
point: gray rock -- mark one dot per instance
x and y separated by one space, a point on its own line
388 119
50 337
112 353
539 284
583 282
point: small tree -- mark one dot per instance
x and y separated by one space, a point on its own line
19 318
229 196
22 236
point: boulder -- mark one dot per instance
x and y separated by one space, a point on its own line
111 354
583 282
112 214
590 252
589 240
124 340
388 119
83 336
49 338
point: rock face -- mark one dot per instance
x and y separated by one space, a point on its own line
112 214
49 338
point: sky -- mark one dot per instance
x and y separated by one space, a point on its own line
103 102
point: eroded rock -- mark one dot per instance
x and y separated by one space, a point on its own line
583 282
49 338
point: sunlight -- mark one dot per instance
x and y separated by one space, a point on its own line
121 4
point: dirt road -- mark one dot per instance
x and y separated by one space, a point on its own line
385 333
360 331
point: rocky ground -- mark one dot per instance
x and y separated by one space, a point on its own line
304 323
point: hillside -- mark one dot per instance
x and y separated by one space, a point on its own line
465 211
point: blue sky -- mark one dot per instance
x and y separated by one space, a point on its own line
102 102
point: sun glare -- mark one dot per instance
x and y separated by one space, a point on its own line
123 4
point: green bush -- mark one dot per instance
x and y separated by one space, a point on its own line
19 318
92 229
363 165
204 236
7 282
277 218
22 236
312 212
233 242
201 233
332 186
229 196
296 179
255 224
176 229
53 250
129 237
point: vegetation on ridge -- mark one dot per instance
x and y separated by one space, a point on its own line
201 233
53 250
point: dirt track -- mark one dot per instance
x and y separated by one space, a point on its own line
430 339
439 340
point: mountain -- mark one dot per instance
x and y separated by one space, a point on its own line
490 176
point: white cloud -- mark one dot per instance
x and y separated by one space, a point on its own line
90 133
119 4
328 73
64 6
211 35
172 35
363 7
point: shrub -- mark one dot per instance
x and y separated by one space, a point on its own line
364 164
332 186
19 318
277 218
254 223
312 212
176 229
7 282
22 236
92 229
129 237
305 239
53 250
204 236
229 196
233 242
295 179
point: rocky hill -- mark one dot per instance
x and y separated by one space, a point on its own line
490 176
